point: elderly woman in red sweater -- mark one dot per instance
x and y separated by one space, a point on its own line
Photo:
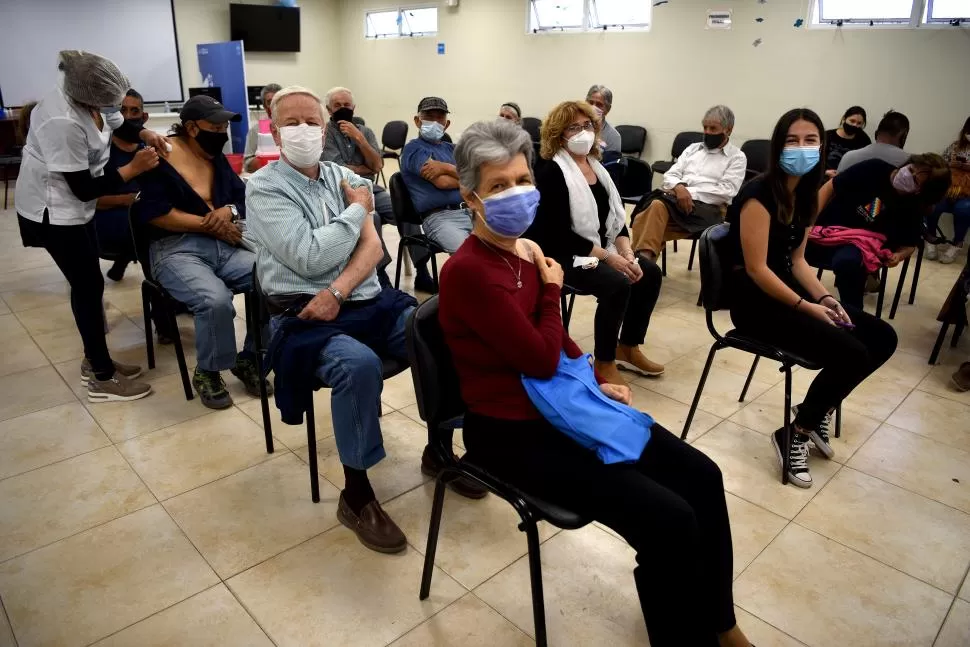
499 309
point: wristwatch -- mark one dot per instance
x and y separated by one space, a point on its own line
234 211
336 293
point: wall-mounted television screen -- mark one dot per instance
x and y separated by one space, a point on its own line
265 28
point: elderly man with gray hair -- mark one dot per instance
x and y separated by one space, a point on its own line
696 190
252 138
601 98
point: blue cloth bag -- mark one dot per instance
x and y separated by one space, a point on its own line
572 403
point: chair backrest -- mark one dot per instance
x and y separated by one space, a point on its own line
394 135
532 125
637 178
683 140
713 271
140 237
435 379
632 139
758 152
401 203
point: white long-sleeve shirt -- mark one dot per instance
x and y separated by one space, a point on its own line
712 176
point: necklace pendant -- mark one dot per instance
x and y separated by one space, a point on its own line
518 284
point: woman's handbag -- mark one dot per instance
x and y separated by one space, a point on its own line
572 403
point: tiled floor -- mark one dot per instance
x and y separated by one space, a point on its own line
160 522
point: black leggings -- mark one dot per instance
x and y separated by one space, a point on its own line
619 303
847 356
669 506
75 250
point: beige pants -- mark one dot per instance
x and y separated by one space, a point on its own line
653 227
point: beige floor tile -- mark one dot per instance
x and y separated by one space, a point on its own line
906 369
53 502
876 397
398 392
64 343
751 471
965 590
399 472
30 391
672 414
39 321
761 633
254 514
939 382
293 436
862 601
477 539
212 618
10 326
166 406
767 413
30 280
934 417
93 584
752 528
333 591
956 629
20 354
918 464
921 537
678 335
128 301
720 396
590 595
6 633
4 308
469 622
652 350
195 452
46 436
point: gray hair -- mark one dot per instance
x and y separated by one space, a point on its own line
291 90
604 92
489 142
327 98
269 87
723 114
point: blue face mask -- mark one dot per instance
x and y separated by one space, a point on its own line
510 212
799 160
432 131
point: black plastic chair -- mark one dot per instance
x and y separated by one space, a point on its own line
257 318
681 141
404 214
157 304
393 138
635 180
715 297
567 299
532 126
632 139
758 152
883 279
440 406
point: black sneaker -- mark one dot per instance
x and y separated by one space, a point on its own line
798 473
820 436
211 389
245 370
117 270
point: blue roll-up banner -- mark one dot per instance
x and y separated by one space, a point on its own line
223 65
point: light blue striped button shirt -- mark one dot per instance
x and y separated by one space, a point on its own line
305 230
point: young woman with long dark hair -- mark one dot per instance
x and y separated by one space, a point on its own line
777 297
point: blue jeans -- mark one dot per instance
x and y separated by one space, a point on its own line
960 208
448 228
203 273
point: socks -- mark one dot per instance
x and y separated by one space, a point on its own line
357 489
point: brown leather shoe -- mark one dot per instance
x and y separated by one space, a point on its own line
461 485
631 359
961 379
373 527
609 372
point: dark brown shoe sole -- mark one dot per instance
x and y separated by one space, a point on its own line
351 524
459 486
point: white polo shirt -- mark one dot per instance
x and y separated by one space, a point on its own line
62 138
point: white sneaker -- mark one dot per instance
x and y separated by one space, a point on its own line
950 254
798 473
929 252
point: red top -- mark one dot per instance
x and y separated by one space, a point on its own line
496 331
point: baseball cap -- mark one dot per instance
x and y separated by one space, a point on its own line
205 107
432 103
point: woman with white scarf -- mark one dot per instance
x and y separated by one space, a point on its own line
581 218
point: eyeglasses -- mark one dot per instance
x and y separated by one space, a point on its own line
575 128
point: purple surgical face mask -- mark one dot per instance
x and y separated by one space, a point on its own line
904 182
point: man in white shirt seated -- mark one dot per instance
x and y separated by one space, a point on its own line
891 137
696 190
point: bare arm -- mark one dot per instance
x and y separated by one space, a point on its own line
445 182
755 225
115 201
179 221
363 261
806 276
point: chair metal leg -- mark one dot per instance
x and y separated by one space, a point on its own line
899 289
146 306
819 275
663 259
916 269
690 260
786 436
434 269
838 421
716 346
397 272
700 297
436 510
311 440
675 247
535 575
179 352
566 308
935 353
883 277
252 321
747 382
957 331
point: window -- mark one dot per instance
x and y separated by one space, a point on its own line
946 11
418 21
588 15
864 11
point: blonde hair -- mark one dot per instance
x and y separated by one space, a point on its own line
560 118
289 91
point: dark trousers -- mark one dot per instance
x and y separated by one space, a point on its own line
846 262
847 356
669 506
75 250
623 309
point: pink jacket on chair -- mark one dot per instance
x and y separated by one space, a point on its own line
870 243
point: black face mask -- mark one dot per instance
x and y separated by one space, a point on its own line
851 130
211 143
343 114
129 133
712 141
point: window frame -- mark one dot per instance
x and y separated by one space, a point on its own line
399 10
586 27
930 21
916 20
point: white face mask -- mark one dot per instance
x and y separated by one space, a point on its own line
302 145
114 119
581 142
